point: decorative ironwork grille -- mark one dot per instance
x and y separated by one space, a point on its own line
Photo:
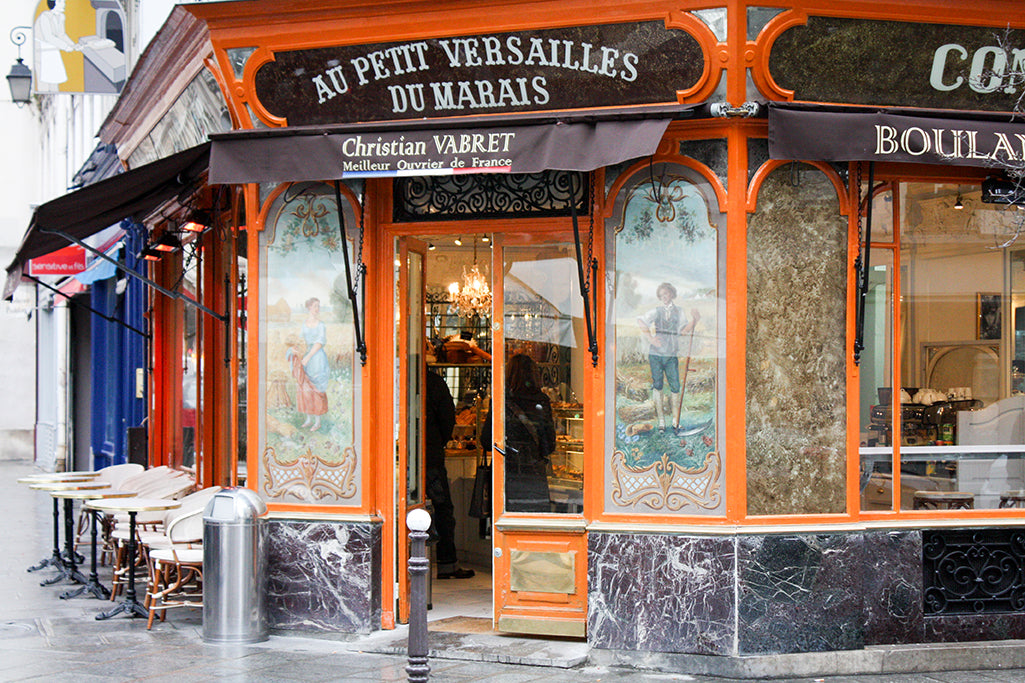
973 571
489 195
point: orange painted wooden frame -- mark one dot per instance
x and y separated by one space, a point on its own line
260 210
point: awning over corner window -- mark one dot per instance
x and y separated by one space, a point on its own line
82 213
821 132
525 143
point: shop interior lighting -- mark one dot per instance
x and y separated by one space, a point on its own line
474 297
958 204
458 242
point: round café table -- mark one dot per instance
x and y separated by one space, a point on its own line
44 477
133 506
92 584
57 476
65 566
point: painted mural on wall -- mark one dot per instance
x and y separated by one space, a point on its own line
664 322
79 46
308 450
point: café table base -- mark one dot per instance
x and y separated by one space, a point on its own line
133 609
92 585
54 560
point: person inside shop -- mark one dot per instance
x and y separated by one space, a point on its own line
529 437
439 421
663 327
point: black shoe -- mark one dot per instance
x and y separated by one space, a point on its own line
457 573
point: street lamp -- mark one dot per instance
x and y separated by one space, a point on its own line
20 77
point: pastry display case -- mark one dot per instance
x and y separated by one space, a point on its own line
566 481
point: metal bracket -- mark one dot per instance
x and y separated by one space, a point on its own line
723 110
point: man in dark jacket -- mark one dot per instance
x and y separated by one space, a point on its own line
440 420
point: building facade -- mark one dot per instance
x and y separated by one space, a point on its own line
764 262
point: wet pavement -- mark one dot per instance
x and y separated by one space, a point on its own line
43 637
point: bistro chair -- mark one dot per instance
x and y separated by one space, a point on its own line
176 569
170 484
115 476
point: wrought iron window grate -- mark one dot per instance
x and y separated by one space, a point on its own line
489 195
973 571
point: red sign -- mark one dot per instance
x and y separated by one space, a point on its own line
66 261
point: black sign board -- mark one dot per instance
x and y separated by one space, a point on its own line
540 70
907 64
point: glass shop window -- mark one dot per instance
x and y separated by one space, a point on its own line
192 358
943 374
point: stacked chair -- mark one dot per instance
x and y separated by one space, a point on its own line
156 482
174 557
115 476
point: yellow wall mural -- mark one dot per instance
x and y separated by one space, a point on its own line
79 46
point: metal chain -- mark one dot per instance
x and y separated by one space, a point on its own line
590 235
861 233
361 268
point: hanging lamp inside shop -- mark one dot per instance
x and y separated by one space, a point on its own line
474 297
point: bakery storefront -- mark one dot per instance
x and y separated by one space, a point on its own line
765 262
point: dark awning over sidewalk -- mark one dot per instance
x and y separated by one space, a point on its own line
524 143
87 211
817 132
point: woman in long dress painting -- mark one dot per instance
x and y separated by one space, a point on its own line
311 370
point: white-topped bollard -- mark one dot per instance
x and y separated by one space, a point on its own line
418 522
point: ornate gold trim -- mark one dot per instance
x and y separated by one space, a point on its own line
666 485
310 478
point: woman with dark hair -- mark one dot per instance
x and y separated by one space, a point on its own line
529 437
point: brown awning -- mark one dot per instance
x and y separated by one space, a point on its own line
818 132
521 143
82 213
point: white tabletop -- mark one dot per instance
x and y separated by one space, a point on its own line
133 504
58 476
91 494
69 485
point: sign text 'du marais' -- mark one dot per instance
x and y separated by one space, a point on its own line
538 70
904 64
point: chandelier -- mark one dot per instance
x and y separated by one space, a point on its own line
474 298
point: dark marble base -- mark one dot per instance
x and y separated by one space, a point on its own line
769 594
324 576
662 593
799 593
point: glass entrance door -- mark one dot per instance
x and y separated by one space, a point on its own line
409 456
539 419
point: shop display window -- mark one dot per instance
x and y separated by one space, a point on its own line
308 369
942 390
664 345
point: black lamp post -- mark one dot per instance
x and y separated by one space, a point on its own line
20 77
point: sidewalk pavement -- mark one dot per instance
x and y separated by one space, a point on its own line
43 637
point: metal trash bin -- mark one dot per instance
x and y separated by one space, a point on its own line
234 567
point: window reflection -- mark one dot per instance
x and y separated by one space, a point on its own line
545 345
952 403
